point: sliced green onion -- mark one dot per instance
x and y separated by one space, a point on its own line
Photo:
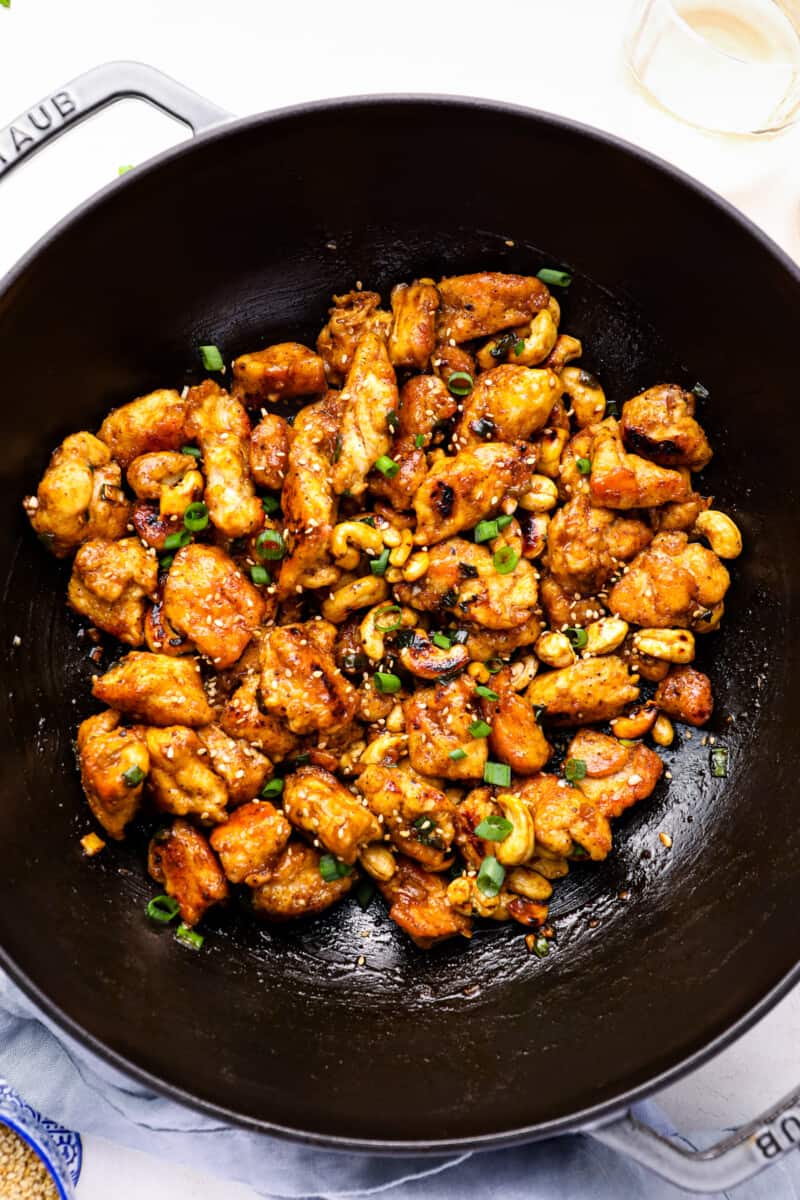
385 619
419 440
503 344
491 876
578 851
331 867
270 504
479 729
485 530
541 947
175 541
457 755
628 742
504 521
193 450
166 562
519 346
367 521
302 760
494 829
460 383
505 560
554 278
337 448
486 692
719 762
259 575
272 789
270 545
494 665
162 909
195 517
379 564
392 420
363 892
578 638
538 712
387 466
133 776
386 682
584 465
574 769
212 359
442 641
426 829
700 391
189 937
498 774
120 170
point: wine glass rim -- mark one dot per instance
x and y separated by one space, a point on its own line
718 50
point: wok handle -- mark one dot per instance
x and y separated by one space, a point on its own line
94 90
728 1163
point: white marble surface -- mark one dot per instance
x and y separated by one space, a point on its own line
249 56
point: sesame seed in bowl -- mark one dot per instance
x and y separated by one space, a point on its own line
39 1159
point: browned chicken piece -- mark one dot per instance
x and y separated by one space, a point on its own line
308 500
156 689
459 491
685 695
462 579
159 635
269 452
79 497
281 371
422 657
592 689
660 425
449 360
563 818
507 404
114 763
484 644
169 477
315 801
673 583
243 718
475 305
576 461
681 516
617 776
351 316
250 842
516 737
413 337
562 608
566 349
399 490
466 896
150 526
295 887
207 598
437 722
243 769
476 806
587 545
153 422
181 859
419 905
221 428
622 480
110 584
369 396
300 680
181 780
418 817
425 402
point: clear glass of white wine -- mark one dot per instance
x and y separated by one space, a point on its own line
730 66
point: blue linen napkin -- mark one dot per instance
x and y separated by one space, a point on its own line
74 1087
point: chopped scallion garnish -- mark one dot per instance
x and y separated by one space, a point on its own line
176 541
519 346
505 560
162 909
461 383
212 359
494 828
419 440
259 575
272 789
719 762
442 641
379 564
486 692
195 517
541 947
497 774
387 466
189 937
193 450
554 278
166 562
574 769
584 465
578 638
363 892
393 421
133 776
270 545
270 504
331 868
480 729
386 682
457 755
388 618
700 391
490 876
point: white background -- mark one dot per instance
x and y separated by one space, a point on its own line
250 55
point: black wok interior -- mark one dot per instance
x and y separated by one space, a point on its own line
239 240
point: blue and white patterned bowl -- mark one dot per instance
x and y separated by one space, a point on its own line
59 1149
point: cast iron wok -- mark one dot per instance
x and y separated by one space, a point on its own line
239 238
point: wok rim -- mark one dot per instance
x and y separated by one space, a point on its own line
593 1116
